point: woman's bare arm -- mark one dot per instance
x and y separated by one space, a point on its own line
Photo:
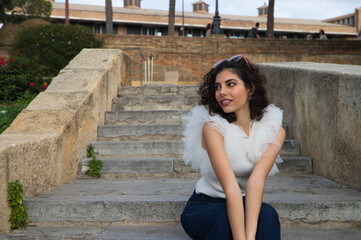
213 142
255 186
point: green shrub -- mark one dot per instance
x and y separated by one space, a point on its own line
19 217
21 78
95 165
55 44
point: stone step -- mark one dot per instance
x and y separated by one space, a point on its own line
301 200
158 89
295 164
144 117
160 232
157 102
166 147
175 167
140 132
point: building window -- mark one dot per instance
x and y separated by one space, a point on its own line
137 3
99 28
348 21
265 10
130 2
260 11
343 21
134 30
206 8
200 7
125 3
150 31
195 8
353 21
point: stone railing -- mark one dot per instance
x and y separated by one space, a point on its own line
44 145
322 108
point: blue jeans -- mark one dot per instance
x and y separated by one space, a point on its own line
206 218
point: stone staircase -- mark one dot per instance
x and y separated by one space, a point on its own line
145 184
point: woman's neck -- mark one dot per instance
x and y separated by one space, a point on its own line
243 119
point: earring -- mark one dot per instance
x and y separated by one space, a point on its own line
250 98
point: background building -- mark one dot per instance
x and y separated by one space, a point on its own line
133 20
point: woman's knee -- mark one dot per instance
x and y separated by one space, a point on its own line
268 212
269 227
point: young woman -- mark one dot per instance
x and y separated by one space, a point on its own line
234 137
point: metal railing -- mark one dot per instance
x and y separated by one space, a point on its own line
148 64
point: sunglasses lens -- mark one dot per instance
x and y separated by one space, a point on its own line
218 63
235 58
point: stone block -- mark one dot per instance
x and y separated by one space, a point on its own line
96 59
70 101
37 170
315 117
348 142
4 179
77 80
171 76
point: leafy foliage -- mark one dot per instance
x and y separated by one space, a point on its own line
25 8
22 78
5 5
19 217
54 45
95 165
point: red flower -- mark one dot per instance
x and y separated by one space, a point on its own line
22 66
32 84
1 58
2 62
44 87
39 74
10 59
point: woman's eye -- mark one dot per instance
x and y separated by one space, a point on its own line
231 84
217 87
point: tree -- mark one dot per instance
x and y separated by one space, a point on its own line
5 5
270 18
109 16
171 18
34 8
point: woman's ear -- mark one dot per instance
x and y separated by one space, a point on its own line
251 89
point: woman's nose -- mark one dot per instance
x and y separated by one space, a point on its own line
222 91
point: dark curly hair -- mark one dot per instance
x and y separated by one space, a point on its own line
252 79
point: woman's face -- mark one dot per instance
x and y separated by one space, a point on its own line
231 93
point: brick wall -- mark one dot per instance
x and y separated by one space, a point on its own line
191 58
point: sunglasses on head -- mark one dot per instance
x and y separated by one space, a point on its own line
233 59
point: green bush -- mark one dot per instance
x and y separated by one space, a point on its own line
19 217
22 78
8 114
55 44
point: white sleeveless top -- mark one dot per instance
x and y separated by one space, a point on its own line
242 151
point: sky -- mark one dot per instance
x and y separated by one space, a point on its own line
302 9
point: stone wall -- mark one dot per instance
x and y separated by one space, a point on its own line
190 58
43 147
322 104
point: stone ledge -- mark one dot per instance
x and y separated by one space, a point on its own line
322 106
46 142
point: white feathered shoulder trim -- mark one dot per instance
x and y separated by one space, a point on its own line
265 132
193 123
